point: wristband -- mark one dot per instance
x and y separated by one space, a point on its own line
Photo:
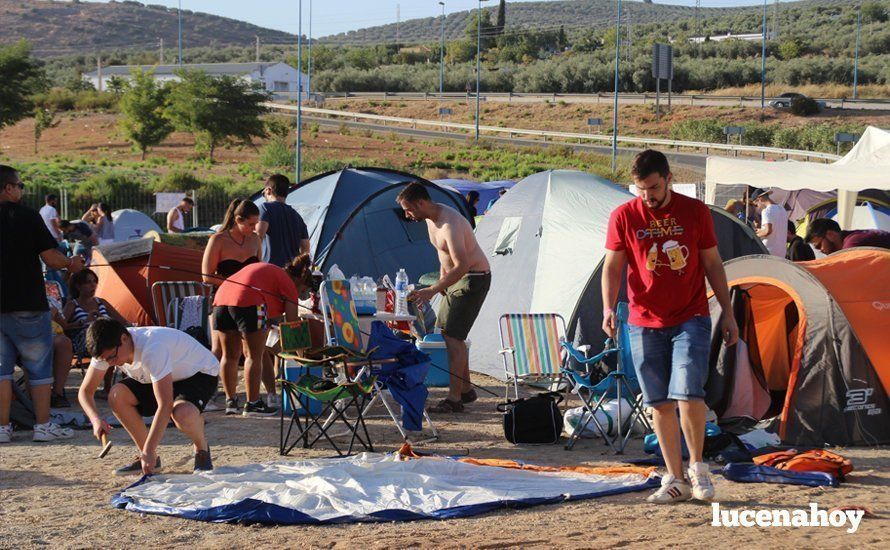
95 420
608 311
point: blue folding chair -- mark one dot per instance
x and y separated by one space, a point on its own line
593 390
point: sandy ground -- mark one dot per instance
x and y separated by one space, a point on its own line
58 495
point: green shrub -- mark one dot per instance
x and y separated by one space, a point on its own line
705 130
112 187
177 180
804 106
277 154
91 100
759 134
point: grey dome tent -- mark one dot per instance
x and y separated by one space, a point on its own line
545 240
132 224
354 221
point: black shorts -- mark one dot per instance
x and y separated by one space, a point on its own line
198 390
246 319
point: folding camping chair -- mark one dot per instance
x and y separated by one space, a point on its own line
532 341
594 389
164 292
333 395
341 325
191 315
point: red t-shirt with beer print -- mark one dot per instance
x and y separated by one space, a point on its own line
665 277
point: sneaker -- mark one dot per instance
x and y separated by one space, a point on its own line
51 432
702 487
59 402
135 468
671 490
258 408
5 433
214 404
203 462
232 406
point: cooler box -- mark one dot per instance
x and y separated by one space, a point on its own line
434 345
293 372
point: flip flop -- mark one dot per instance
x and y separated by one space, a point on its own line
447 406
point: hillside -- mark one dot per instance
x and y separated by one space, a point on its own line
572 14
65 28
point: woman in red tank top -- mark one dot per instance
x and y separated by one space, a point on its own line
242 308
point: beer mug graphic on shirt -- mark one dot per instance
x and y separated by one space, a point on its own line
652 257
676 253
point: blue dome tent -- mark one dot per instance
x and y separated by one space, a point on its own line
354 221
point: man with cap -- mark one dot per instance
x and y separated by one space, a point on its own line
772 219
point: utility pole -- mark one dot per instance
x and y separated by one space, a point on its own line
698 32
309 55
478 58
442 52
161 57
257 48
179 12
398 23
856 54
615 106
99 73
763 62
630 39
299 92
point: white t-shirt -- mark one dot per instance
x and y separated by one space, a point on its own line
776 241
49 213
159 351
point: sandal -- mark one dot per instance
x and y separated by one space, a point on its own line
447 406
468 397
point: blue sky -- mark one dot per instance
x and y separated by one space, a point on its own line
334 16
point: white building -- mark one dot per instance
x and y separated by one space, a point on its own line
278 78
754 37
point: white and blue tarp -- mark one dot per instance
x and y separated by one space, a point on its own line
365 487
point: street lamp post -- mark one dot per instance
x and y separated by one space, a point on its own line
615 106
309 55
299 92
763 61
442 52
856 54
179 13
478 57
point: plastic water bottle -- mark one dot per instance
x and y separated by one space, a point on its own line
401 293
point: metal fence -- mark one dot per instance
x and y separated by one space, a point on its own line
210 206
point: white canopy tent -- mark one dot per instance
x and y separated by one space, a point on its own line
866 166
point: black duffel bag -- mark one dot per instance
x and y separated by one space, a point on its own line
535 419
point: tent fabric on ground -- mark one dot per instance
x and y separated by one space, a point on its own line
354 221
132 224
127 270
864 167
817 341
552 263
488 190
362 488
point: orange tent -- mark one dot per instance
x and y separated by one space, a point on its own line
817 338
127 270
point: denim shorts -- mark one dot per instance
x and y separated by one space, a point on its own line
27 337
672 363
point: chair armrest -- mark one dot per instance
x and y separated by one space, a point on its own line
506 350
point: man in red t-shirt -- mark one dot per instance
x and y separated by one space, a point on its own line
667 242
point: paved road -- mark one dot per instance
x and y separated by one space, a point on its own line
690 161
649 99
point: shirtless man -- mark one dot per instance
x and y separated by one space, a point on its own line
464 280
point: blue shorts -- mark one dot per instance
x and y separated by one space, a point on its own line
27 336
672 363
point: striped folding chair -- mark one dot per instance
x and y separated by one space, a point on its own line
164 292
530 346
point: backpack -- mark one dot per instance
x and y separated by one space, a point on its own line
533 419
816 460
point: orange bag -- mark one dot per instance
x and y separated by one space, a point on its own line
816 460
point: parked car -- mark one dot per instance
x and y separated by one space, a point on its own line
783 101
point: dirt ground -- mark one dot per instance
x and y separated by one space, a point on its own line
58 495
